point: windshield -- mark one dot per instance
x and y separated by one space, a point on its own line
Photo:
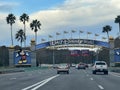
100 64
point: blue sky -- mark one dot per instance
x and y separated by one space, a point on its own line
30 6
59 16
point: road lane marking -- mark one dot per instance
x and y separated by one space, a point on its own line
91 78
100 87
13 78
87 75
33 85
115 74
39 84
45 82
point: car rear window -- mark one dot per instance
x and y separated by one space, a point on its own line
100 63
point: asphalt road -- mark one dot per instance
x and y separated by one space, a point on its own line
48 79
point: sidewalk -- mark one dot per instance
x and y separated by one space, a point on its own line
115 69
10 70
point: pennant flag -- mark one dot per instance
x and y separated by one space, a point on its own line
81 31
57 33
50 36
65 32
96 35
89 33
104 38
73 31
42 39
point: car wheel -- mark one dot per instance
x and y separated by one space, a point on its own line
94 72
67 72
57 72
106 72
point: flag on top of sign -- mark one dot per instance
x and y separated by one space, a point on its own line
81 31
50 36
57 33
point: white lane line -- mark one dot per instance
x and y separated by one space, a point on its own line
115 74
13 78
44 82
87 75
33 85
91 78
100 87
40 83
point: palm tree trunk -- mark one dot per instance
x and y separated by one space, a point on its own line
11 36
108 36
25 35
36 37
21 44
119 29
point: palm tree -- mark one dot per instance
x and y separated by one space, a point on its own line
117 20
23 18
20 36
107 29
35 25
11 20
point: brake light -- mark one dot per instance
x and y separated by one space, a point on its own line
95 66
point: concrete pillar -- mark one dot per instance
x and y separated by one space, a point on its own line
33 53
33 59
33 43
11 56
111 51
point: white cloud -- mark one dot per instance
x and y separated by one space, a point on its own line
72 13
77 13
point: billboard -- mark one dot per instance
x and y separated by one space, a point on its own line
75 53
85 52
117 55
22 57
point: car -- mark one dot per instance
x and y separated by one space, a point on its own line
81 66
86 65
63 68
100 66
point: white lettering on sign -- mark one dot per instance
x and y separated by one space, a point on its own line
71 41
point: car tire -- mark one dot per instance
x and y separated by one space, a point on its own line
57 72
67 72
106 72
94 72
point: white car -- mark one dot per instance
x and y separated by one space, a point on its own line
100 66
63 68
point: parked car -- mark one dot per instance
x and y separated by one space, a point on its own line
100 66
63 68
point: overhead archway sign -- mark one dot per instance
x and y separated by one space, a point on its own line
73 41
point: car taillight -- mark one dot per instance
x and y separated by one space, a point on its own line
95 67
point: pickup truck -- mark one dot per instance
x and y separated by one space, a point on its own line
100 66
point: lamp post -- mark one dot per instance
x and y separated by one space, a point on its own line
53 53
